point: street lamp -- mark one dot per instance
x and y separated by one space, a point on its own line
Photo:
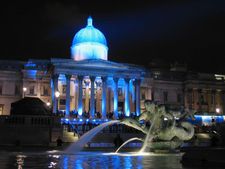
57 94
48 104
24 91
217 110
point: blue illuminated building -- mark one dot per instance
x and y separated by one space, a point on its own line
89 86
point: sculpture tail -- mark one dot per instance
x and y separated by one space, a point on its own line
188 133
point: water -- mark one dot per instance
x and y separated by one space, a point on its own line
85 160
126 142
77 146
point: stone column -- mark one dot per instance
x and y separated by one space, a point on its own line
115 104
104 86
80 95
75 95
87 96
92 103
137 95
127 100
55 88
68 95
98 98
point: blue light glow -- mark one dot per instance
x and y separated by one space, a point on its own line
32 73
30 64
89 43
80 111
206 119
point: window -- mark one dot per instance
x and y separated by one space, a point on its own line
0 89
165 96
45 91
31 90
1 109
213 98
179 99
201 99
62 102
143 95
17 89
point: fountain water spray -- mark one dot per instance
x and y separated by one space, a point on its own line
126 142
77 146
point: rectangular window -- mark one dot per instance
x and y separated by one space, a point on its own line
0 89
17 89
31 90
179 99
45 91
152 95
142 95
213 99
1 109
201 99
62 102
165 96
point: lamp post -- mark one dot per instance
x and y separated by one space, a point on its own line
24 91
57 94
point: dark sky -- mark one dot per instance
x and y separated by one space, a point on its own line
189 31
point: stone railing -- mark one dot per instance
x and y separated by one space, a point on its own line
29 120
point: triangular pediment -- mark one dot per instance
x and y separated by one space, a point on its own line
94 63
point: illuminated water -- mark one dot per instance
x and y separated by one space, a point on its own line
85 160
78 145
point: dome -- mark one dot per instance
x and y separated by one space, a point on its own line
89 43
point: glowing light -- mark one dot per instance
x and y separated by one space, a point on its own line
89 43
48 103
24 89
32 73
57 94
80 111
217 110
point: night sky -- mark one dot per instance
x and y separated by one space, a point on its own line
187 31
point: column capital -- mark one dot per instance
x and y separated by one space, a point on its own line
68 76
79 77
98 83
86 83
116 79
104 78
137 81
92 78
127 80
55 76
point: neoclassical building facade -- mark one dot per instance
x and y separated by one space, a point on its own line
88 83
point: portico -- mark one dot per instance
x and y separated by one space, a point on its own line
94 79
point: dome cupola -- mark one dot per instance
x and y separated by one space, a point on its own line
89 43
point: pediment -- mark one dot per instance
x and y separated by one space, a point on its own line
95 64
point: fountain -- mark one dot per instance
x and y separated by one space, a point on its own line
165 132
